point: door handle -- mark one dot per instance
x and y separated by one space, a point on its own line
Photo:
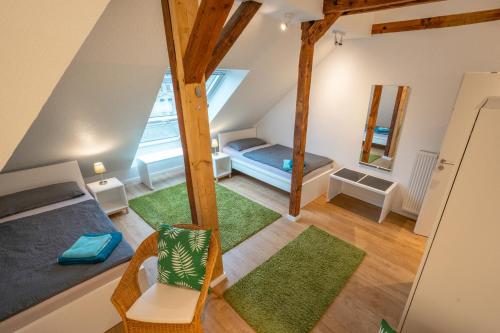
443 162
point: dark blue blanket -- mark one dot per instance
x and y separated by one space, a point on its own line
30 246
275 154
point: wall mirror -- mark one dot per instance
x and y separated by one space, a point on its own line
383 126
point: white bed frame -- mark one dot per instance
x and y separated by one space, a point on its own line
311 189
87 312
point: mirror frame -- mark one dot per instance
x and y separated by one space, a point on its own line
396 124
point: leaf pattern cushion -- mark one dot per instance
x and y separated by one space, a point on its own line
182 256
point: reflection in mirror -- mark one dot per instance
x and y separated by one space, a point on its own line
383 126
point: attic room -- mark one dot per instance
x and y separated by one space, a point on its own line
265 166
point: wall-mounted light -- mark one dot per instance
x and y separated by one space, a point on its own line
285 24
339 37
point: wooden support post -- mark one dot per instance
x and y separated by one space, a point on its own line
311 33
191 104
405 91
394 120
371 123
232 30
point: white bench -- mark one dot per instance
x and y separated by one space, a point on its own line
145 162
382 190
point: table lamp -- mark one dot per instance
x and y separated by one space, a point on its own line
100 169
215 145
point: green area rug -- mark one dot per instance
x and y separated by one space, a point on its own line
373 158
239 217
290 292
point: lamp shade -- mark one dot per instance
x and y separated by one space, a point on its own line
99 168
215 143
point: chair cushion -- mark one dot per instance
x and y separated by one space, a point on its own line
164 304
182 256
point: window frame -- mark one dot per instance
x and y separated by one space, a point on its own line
211 90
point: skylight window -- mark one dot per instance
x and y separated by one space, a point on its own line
162 125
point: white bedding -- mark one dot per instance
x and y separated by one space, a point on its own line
286 176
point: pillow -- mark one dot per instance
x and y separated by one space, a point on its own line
19 202
182 256
386 328
243 144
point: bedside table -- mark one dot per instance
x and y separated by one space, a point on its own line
222 165
110 196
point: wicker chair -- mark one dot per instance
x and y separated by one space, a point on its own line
127 292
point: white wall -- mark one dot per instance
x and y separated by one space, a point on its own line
39 39
430 62
100 107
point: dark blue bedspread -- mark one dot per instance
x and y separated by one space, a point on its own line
29 247
275 154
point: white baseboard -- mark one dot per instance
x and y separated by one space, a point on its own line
218 280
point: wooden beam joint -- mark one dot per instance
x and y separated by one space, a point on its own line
208 24
232 30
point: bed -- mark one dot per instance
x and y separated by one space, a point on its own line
37 294
314 183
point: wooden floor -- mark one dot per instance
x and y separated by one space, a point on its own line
378 289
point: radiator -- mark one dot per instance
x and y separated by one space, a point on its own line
420 177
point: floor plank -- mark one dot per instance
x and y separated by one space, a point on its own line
378 289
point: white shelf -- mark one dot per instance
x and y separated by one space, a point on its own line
222 165
111 196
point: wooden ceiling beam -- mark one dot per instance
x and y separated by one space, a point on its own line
437 22
210 19
359 6
390 6
317 29
232 30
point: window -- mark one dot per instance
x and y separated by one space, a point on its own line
162 125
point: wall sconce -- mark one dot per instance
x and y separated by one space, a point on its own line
339 37
285 24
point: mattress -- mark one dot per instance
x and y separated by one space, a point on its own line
286 176
33 277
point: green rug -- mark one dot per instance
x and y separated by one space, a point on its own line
290 292
239 217
373 158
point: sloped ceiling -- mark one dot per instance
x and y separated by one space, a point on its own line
39 39
272 57
99 108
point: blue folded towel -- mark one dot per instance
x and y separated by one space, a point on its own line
382 130
87 246
116 238
287 165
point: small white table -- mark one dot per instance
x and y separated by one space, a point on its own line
145 162
382 190
222 165
111 196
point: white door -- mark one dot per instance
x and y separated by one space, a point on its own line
459 287
475 88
